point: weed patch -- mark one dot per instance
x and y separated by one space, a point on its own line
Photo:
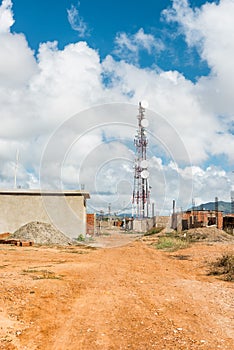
81 238
224 267
171 243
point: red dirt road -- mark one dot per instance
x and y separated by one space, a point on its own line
130 297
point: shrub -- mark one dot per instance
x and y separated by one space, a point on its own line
224 266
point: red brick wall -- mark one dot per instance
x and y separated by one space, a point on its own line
203 217
91 220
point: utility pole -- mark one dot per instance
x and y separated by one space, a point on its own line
232 200
217 211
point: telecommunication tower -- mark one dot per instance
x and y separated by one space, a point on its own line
141 194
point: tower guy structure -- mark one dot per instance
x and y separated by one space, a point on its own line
141 194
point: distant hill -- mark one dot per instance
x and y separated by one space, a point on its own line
223 206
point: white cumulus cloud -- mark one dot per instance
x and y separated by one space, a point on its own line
6 16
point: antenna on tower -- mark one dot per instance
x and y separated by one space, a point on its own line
141 193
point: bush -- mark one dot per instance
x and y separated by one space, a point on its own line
224 266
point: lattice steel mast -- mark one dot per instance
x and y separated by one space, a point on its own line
141 194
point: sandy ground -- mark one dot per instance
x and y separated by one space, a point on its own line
126 297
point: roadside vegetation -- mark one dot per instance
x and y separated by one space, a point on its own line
171 244
153 231
81 238
224 267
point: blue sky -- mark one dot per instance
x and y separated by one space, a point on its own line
64 58
43 21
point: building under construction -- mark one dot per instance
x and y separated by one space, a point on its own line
228 223
202 218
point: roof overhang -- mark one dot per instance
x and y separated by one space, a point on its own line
38 192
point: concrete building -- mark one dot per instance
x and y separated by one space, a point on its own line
144 225
65 210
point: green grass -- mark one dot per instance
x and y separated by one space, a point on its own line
224 267
171 243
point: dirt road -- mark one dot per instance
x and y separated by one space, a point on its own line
130 297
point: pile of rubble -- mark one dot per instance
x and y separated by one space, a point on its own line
40 233
210 234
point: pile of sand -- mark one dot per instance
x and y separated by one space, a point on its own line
210 234
41 233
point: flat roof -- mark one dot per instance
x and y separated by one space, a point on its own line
38 192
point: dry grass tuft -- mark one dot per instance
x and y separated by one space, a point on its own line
224 267
42 274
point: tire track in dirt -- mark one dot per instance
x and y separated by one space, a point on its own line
137 299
